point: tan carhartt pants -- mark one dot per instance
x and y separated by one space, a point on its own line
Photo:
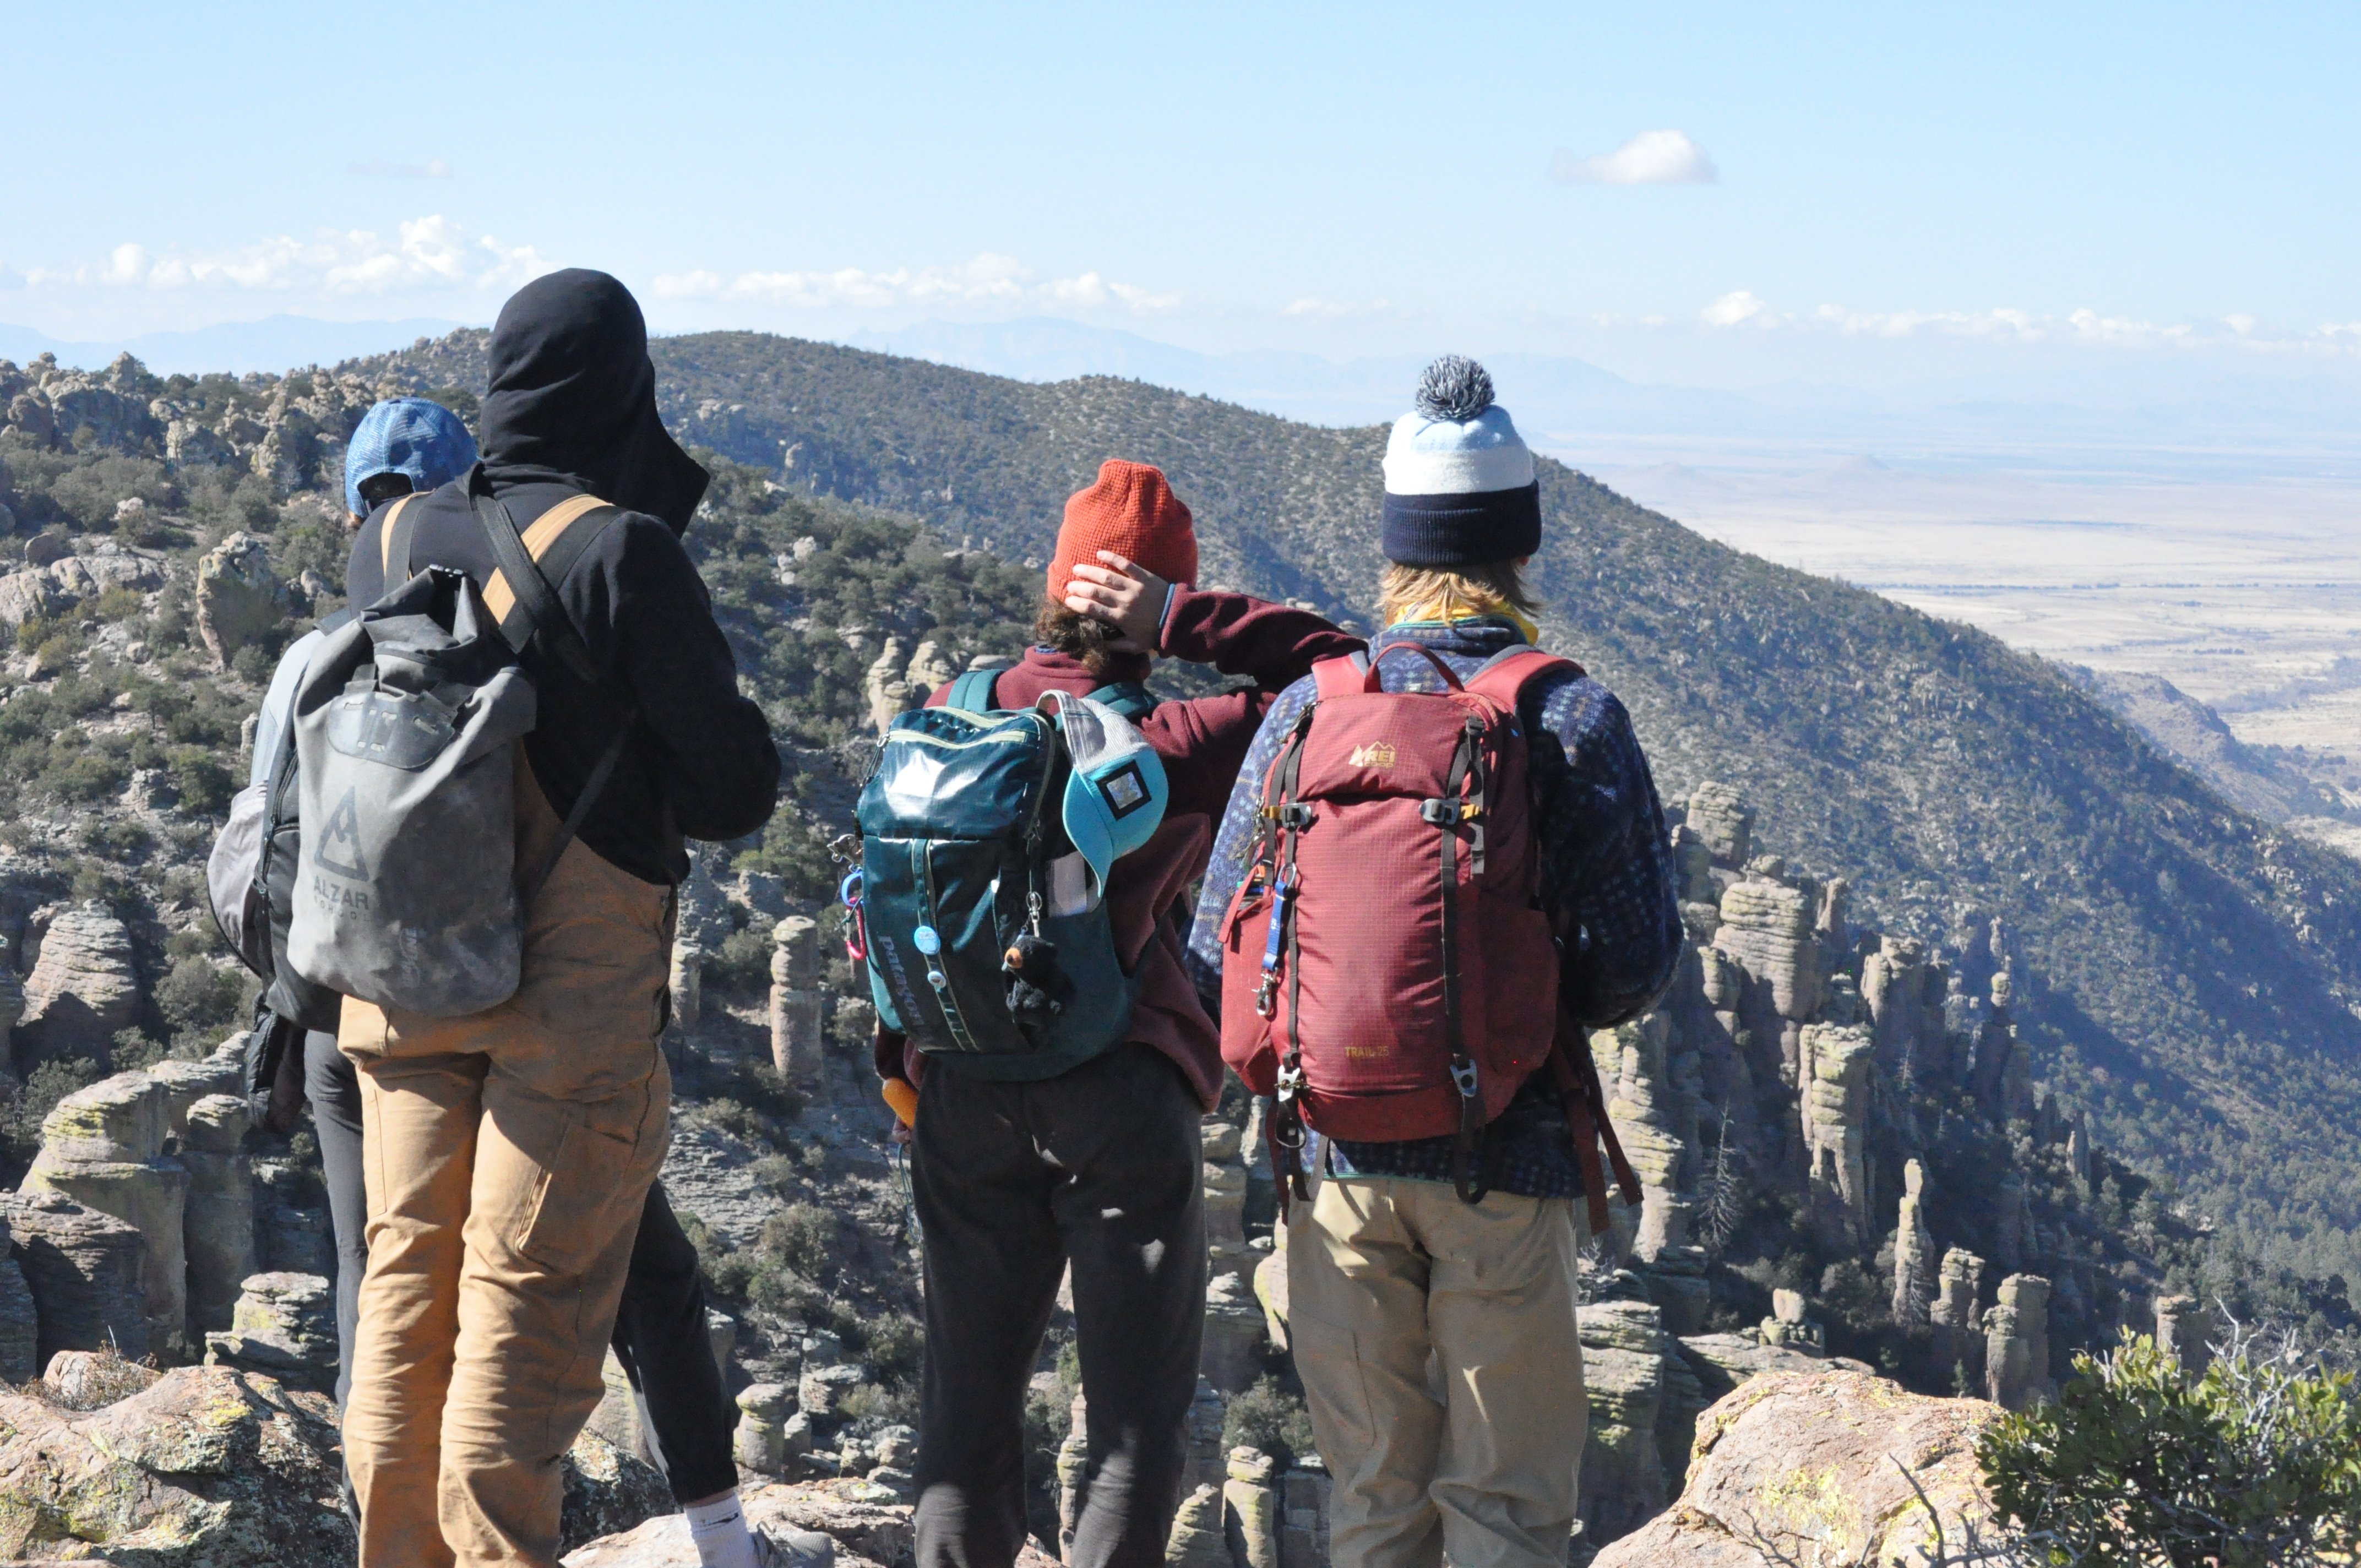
507 1155
1437 1348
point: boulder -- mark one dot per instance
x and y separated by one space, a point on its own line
239 598
819 1522
82 1269
285 1325
205 1469
1232 1356
93 1379
102 1146
798 1002
1805 1464
220 1224
82 990
1196 1541
1250 1520
20 1321
1623 1355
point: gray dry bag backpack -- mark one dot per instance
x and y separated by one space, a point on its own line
405 727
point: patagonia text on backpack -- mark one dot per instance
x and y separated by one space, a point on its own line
987 837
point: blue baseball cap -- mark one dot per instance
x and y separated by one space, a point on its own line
407 436
1116 794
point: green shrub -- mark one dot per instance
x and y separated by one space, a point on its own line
2256 1464
1269 1418
803 1236
22 1112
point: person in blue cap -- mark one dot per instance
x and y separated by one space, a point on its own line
402 446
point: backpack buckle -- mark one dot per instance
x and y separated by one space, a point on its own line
1295 815
1463 1078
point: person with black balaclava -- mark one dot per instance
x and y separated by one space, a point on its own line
511 1152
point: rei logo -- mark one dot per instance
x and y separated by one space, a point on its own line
1377 754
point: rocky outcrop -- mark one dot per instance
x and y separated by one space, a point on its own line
1624 1353
1916 1279
284 1325
205 1469
1802 1468
893 686
815 1520
798 1002
45 590
219 1228
83 1268
1250 1522
20 1323
2016 1344
239 598
103 1147
1834 1070
1232 1356
82 990
2184 1333
1958 1319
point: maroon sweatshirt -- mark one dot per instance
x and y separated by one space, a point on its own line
1202 743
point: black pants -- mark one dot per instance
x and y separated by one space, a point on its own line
1100 1167
660 1335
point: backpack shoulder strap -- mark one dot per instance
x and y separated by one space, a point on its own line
1340 677
395 530
519 594
1130 698
1507 674
972 693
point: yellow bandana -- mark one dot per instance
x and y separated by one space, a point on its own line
1437 610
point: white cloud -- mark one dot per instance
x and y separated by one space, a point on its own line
987 279
1737 308
1651 158
428 253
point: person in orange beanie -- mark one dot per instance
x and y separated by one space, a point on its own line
1099 1164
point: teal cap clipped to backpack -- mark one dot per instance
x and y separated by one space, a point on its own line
1116 794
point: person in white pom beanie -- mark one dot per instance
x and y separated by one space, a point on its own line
1433 1283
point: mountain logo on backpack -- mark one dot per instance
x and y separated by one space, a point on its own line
1377 755
340 847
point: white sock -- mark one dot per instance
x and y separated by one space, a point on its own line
719 1531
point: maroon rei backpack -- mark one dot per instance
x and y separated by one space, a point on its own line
1389 972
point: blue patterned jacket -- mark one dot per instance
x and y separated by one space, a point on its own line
1607 881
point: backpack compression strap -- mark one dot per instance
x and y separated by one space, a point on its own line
1129 699
394 534
520 598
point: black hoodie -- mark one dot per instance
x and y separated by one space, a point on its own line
571 410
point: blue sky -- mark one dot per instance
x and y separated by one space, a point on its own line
1873 194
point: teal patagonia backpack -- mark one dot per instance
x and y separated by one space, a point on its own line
987 838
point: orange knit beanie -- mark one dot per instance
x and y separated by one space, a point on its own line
1132 512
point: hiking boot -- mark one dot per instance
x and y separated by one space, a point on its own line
794 1549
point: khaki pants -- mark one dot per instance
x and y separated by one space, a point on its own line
507 1155
1437 1348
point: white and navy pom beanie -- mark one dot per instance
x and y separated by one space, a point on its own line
1459 480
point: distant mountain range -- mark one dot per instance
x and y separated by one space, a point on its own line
272 343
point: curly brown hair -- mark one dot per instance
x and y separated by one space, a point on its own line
1079 636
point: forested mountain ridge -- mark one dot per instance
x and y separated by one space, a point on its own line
2193 974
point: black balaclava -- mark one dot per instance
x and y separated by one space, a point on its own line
573 400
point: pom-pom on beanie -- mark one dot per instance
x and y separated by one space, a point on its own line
1132 512
1459 480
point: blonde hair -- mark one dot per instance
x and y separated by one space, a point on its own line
1455 594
